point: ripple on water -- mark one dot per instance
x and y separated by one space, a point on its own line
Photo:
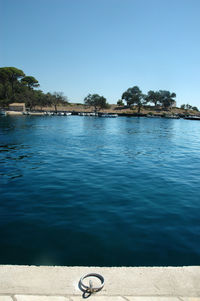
97 191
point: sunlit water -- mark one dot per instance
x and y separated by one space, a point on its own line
97 191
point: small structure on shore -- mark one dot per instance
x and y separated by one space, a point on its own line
18 107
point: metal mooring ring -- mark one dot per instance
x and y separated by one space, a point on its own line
90 288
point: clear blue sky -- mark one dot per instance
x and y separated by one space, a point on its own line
104 46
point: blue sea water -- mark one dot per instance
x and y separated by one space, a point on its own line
97 191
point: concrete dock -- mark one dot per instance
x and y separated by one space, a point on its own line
55 283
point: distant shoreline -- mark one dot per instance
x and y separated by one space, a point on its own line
114 109
169 115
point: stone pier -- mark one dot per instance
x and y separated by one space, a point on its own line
55 283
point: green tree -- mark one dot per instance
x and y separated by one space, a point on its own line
153 97
13 76
41 98
134 96
55 99
167 99
195 109
188 107
96 101
4 84
14 85
120 103
29 98
183 106
30 82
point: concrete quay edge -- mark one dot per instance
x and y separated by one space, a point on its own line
94 298
121 283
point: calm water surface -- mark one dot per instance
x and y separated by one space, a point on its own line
97 191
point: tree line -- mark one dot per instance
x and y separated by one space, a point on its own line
134 97
163 98
15 86
188 107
